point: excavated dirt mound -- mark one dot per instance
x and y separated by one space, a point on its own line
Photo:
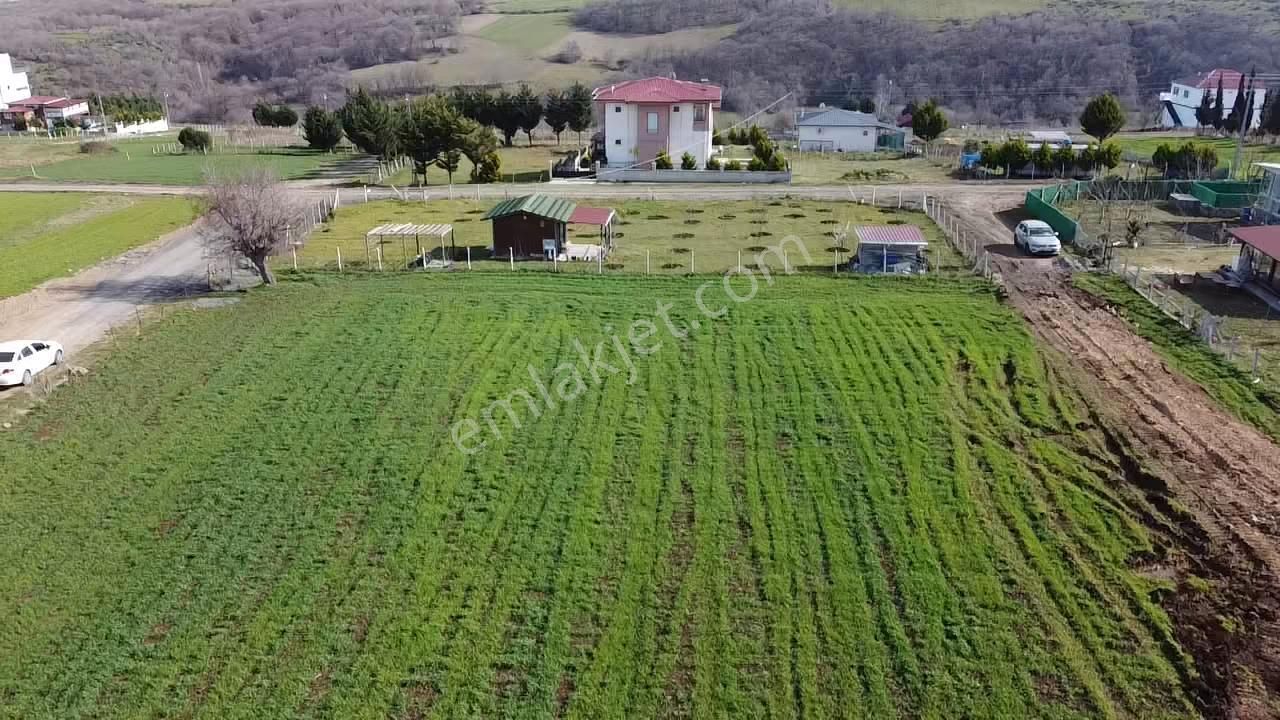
1214 478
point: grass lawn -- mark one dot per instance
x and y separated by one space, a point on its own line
44 236
530 33
520 163
133 162
17 155
705 235
844 497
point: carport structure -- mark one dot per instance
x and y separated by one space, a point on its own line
404 231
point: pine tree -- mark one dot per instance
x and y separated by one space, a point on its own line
1204 113
321 128
1218 110
528 110
578 104
1232 123
1271 115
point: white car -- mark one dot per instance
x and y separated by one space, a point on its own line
22 360
1035 237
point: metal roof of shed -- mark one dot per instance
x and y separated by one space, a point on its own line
548 207
409 229
890 235
1265 238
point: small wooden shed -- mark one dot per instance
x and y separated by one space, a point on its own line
530 226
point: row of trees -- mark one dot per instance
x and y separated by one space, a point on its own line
1015 155
268 115
523 110
429 130
1213 113
130 109
1189 160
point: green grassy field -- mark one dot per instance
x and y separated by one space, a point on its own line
135 163
44 236
864 498
1145 145
707 235
527 32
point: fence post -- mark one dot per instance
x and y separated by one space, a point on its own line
690 262
1256 351
646 260
366 193
511 256
294 251
468 257
339 259
379 257
739 262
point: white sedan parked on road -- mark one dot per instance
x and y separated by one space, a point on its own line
22 360
1036 238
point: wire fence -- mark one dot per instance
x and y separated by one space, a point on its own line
1260 362
827 250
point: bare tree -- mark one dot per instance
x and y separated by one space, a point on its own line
250 215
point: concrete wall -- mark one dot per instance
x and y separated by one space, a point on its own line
837 139
694 176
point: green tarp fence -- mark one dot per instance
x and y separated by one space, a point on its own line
1040 203
1227 195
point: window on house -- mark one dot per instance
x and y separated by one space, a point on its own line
865 133
618 141
617 108
675 108
651 123
699 113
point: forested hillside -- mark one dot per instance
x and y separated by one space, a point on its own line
215 59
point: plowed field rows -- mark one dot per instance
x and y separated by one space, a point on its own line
844 498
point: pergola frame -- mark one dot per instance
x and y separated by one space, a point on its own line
404 231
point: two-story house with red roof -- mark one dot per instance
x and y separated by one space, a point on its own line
1178 106
640 118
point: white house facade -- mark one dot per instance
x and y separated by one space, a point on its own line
837 130
1178 106
641 118
13 85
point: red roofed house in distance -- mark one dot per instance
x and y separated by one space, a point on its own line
1178 106
644 117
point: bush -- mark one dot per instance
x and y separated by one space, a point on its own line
20 124
97 148
568 55
713 163
733 165
193 140
716 139
688 162
662 161
756 164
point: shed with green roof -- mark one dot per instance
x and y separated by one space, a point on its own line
530 226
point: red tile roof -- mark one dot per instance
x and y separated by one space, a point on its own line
657 90
1265 238
1209 80
37 101
890 235
583 215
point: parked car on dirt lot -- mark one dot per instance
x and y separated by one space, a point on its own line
22 360
1035 237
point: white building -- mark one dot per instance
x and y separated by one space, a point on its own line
1267 208
1178 106
837 130
13 85
644 117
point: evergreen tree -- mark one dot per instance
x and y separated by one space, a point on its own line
556 112
431 127
578 105
1102 117
504 116
928 121
321 128
1043 159
1271 115
370 124
528 110
1233 121
1218 110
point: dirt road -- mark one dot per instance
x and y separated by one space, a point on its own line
1221 474
77 311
